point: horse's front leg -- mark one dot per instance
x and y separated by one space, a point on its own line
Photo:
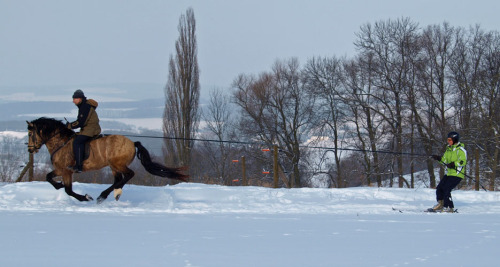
68 187
50 176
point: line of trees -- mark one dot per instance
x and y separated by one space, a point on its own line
403 91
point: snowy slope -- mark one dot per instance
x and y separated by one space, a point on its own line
207 225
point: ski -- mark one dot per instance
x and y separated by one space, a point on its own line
397 210
403 210
429 210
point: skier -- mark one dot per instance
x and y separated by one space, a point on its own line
455 159
88 122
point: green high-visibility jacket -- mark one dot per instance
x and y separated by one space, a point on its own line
457 154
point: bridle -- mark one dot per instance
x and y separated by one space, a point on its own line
33 140
35 145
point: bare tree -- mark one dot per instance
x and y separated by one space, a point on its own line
220 126
476 75
394 46
323 77
489 104
182 92
277 110
359 77
430 100
11 159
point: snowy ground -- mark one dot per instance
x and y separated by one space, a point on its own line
206 225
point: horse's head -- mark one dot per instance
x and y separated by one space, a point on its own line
41 130
35 141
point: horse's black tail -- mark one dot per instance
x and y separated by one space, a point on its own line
156 168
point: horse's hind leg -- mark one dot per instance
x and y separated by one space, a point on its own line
50 176
104 194
128 174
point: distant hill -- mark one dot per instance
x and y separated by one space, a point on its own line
117 104
14 114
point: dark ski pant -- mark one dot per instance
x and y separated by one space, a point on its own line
443 190
79 149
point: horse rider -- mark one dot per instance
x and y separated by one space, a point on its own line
88 122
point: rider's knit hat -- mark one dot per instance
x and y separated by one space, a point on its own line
78 94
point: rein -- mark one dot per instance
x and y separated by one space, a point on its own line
48 139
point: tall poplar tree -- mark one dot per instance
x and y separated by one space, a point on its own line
182 93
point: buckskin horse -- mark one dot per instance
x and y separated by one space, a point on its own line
115 151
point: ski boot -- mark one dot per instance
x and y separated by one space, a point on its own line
438 207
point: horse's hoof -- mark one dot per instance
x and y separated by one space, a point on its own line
100 199
118 193
89 198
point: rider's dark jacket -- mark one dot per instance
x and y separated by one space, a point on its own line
87 120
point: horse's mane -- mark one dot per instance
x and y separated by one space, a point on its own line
49 126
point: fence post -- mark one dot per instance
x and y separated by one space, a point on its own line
477 169
30 171
243 170
28 167
275 166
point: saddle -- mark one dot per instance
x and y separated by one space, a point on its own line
87 145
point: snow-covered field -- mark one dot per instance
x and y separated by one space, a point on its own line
207 225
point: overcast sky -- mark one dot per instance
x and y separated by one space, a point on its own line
74 43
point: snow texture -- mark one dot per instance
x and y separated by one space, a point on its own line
208 225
